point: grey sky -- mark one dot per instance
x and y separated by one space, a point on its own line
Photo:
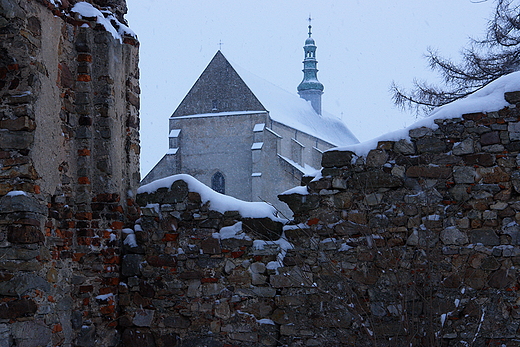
362 47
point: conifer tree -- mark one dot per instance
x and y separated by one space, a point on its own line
497 54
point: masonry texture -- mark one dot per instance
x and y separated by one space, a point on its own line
69 163
416 244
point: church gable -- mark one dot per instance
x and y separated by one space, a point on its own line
218 89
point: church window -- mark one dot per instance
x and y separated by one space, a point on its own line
218 183
215 104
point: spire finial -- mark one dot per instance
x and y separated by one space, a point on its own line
220 45
310 26
310 88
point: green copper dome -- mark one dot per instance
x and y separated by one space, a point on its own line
306 85
310 70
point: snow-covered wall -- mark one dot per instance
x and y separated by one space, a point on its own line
415 236
409 240
69 147
414 242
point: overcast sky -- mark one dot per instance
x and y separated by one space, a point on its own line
362 47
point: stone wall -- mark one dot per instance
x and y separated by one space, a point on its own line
184 281
69 99
416 244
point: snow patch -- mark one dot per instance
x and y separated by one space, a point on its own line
232 232
284 246
16 193
301 190
217 202
105 296
259 127
487 99
130 237
105 18
307 170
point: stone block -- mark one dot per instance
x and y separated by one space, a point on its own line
336 158
18 309
21 203
343 200
464 147
257 267
490 138
483 159
493 175
211 289
453 236
512 97
31 334
198 342
178 193
430 145
349 228
131 265
249 337
515 179
5 336
178 322
501 279
376 158
222 310
264 292
20 283
404 147
143 318
374 179
24 234
423 238
19 124
464 174
210 246
300 203
162 260
167 340
487 237
420 132
428 172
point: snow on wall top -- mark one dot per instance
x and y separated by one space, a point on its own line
487 99
105 18
217 202
293 111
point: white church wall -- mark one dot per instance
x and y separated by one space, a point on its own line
274 179
307 143
219 143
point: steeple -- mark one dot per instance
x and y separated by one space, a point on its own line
310 88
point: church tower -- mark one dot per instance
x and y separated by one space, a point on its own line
310 88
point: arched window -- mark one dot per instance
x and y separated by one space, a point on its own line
218 183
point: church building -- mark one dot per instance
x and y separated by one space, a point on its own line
247 138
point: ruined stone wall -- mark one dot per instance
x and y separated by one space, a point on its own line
69 165
416 244
185 282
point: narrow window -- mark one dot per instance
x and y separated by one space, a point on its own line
218 183
215 104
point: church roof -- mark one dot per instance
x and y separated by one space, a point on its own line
218 89
289 109
236 89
